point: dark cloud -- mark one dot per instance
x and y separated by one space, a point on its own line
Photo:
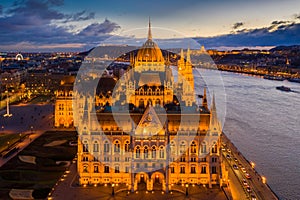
80 16
56 2
237 25
33 22
279 22
97 29
285 34
297 16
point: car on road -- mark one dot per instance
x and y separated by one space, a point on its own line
228 156
229 151
243 169
253 197
235 159
248 176
245 182
248 189
235 166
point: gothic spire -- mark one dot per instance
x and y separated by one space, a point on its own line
149 30
204 99
188 55
213 105
181 55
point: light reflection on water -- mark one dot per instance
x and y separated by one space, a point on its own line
264 123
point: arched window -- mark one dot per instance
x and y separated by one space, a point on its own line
146 155
137 152
157 91
141 103
117 147
173 147
161 152
127 145
203 147
96 169
154 152
96 146
157 102
214 148
193 147
85 169
182 147
106 146
85 146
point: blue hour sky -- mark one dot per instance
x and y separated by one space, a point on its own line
48 25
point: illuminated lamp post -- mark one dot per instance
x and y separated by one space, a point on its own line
186 189
113 189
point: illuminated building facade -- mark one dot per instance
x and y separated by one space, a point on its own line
164 140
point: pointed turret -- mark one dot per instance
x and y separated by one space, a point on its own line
188 56
213 104
204 100
85 113
181 55
214 122
149 30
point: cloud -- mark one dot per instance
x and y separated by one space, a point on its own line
237 25
41 24
279 22
283 34
80 16
97 29
297 16
1 9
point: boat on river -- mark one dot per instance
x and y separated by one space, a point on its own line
274 78
283 88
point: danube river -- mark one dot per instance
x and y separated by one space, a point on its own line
264 124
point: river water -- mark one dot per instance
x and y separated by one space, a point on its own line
263 123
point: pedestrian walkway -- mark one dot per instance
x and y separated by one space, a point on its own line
67 188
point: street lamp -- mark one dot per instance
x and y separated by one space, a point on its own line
264 180
113 189
186 189
20 134
8 145
31 127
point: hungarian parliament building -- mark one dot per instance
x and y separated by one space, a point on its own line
145 127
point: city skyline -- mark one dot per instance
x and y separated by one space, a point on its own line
32 25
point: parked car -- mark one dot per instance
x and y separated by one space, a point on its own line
243 169
247 176
248 189
245 182
235 167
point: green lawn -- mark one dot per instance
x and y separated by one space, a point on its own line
44 174
41 99
11 138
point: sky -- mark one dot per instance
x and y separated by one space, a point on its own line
69 25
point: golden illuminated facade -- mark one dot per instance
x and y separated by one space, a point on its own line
164 140
63 105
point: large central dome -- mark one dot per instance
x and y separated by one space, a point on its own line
150 52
